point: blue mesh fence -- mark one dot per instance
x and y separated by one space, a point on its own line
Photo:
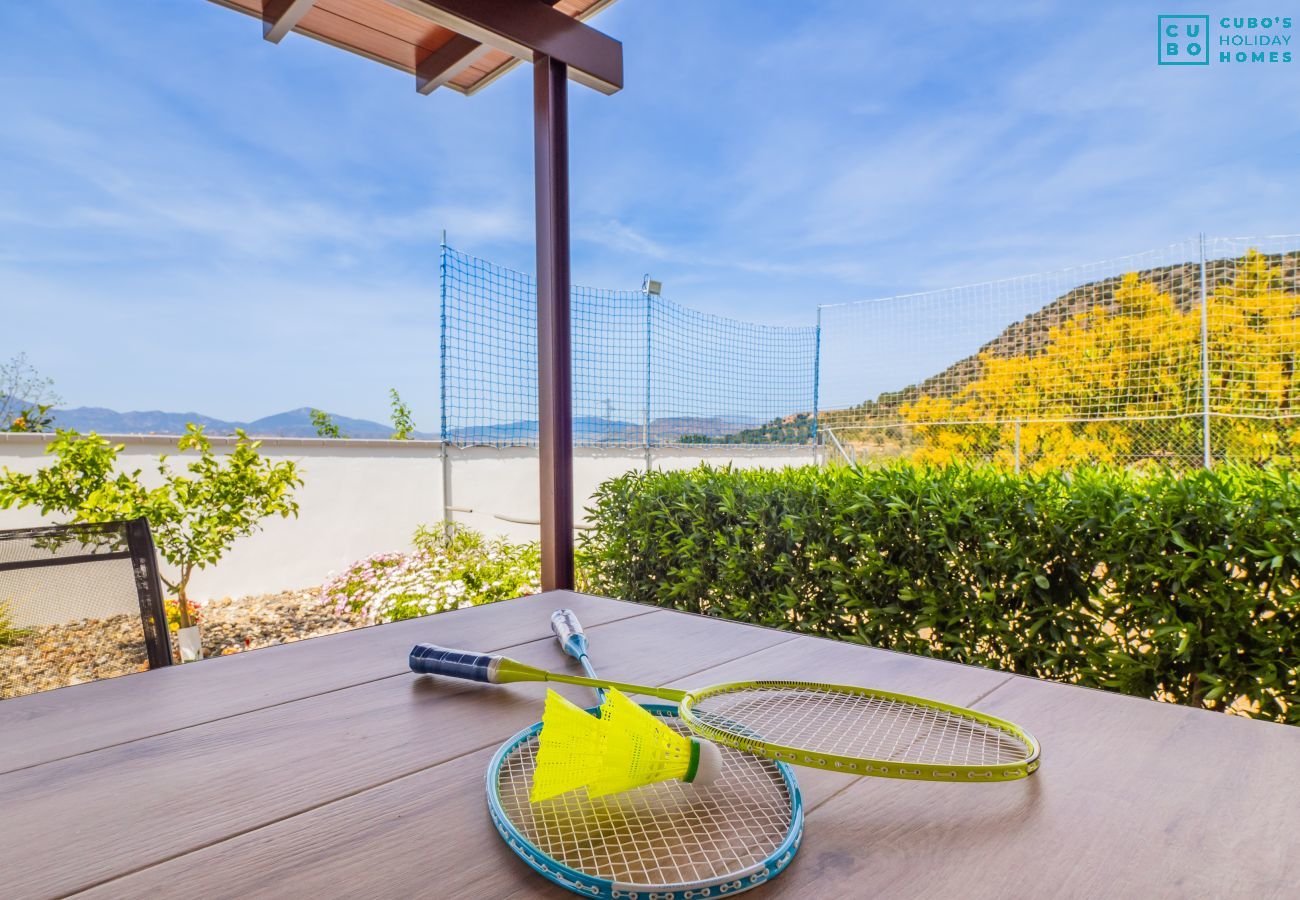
646 371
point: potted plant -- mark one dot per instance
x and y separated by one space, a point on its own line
188 641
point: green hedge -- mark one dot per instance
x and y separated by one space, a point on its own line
1182 587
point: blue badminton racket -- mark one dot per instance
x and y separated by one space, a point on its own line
668 840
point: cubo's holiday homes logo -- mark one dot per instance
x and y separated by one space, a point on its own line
1182 40
1186 40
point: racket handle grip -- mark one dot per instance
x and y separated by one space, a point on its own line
568 631
430 659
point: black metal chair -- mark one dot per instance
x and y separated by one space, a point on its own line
69 598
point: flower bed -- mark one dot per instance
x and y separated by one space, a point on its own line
445 572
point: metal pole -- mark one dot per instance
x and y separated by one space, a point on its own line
851 460
817 381
554 362
447 524
1207 456
645 421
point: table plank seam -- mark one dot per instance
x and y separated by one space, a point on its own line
254 709
891 650
277 820
356 791
724 662
151 735
984 696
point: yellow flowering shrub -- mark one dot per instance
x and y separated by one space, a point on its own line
1123 381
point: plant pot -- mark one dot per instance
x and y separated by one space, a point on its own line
190 644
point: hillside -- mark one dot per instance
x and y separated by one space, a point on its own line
1030 335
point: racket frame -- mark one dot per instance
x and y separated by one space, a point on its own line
853 765
503 670
589 885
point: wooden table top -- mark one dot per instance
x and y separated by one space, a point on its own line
326 769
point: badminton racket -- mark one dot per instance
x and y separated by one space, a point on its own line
842 728
669 840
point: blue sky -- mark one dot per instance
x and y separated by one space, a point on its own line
194 219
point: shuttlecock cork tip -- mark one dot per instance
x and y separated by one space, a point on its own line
706 763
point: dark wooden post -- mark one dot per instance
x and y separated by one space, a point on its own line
554 363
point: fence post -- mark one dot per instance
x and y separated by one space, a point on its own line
1207 456
1017 446
645 418
817 380
447 524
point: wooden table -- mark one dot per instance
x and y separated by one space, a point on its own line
325 769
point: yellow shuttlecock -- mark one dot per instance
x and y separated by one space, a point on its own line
625 748
568 749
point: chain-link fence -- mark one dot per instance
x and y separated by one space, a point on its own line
646 371
1184 355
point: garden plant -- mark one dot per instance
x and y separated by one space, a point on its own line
403 421
1178 586
449 569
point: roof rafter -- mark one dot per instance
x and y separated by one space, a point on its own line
279 17
443 64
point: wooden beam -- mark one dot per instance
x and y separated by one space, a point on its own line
448 61
554 359
279 17
528 29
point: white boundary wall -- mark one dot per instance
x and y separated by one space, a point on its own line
362 497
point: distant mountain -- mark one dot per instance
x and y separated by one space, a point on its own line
109 421
590 430
675 427
293 423
297 423
593 430
586 430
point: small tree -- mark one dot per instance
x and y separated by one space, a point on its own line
195 515
325 425
403 422
26 397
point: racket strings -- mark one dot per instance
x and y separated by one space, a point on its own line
858 724
663 833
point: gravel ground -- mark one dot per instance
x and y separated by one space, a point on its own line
58 655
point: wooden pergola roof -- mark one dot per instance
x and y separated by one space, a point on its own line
449 45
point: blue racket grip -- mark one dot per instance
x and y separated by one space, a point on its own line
568 631
430 659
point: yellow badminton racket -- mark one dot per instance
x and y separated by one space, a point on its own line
843 728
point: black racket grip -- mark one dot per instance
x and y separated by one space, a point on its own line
430 659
